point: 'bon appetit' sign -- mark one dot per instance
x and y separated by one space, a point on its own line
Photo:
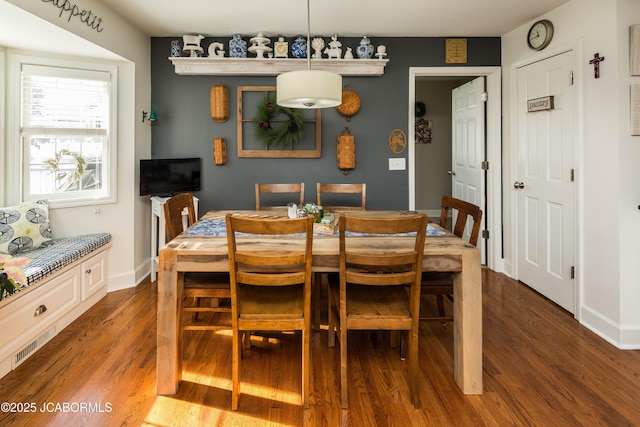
72 10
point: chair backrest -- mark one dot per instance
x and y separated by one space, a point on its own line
379 266
464 210
252 264
360 189
279 189
173 209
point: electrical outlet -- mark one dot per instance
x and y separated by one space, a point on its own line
397 164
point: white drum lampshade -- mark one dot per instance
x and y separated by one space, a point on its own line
309 89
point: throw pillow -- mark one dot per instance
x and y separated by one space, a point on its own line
24 227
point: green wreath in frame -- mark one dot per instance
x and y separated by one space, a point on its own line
280 133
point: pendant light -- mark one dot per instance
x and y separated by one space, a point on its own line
309 88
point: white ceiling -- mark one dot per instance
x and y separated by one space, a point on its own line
222 18
350 18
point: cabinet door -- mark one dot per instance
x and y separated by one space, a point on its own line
94 272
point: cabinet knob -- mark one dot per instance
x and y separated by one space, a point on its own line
40 310
88 271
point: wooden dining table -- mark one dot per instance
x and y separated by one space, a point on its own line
199 249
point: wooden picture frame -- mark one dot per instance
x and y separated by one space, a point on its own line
308 147
634 50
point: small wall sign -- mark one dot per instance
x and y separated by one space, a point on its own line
540 104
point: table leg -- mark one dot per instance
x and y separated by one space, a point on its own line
467 324
169 360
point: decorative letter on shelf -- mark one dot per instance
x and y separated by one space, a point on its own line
251 128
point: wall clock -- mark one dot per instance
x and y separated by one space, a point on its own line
540 34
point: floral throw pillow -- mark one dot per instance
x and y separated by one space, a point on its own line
24 227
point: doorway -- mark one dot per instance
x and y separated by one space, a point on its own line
493 214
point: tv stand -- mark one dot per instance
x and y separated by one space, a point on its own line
158 230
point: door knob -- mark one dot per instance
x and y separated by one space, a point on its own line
451 173
518 185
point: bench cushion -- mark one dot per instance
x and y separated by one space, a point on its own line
60 253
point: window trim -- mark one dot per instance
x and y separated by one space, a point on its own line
16 162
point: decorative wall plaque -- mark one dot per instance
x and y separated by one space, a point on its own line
540 104
455 51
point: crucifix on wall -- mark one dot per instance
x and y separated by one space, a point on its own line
596 64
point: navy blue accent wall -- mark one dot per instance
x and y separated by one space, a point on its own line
185 128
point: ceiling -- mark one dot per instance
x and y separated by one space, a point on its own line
351 18
216 18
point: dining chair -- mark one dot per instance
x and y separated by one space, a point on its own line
441 284
296 190
371 292
197 285
340 193
345 198
270 291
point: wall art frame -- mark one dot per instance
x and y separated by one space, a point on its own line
309 147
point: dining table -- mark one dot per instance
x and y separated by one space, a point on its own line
203 248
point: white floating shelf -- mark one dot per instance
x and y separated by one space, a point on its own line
275 66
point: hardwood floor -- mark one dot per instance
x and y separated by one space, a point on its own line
540 368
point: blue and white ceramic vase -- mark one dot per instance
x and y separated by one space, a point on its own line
299 47
237 47
176 49
364 49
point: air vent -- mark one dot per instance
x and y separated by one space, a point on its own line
33 346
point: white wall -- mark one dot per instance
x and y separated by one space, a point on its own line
607 218
127 219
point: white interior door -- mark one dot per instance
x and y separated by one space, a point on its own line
468 149
544 187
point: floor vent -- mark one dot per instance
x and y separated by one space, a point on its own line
33 346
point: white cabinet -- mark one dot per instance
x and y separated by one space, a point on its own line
158 230
32 317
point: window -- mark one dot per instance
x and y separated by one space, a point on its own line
66 134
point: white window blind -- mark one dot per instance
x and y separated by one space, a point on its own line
63 98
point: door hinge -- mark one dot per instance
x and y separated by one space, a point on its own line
485 234
485 165
573 272
570 78
484 97
573 175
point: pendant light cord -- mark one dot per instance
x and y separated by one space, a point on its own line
308 37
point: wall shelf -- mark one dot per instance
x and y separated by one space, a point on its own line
274 66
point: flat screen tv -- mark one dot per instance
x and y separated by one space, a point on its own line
166 177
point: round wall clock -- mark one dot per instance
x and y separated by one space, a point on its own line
540 34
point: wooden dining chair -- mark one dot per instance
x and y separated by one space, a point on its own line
340 193
342 198
270 291
296 191
441 284
371 293
197 285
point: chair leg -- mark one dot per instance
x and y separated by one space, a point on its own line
331 330
343 366
440 300
316 289
413 368
306 372
235 374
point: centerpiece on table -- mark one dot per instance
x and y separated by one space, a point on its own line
12 277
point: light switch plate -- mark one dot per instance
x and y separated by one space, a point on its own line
397 164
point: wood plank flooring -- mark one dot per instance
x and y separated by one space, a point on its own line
540 368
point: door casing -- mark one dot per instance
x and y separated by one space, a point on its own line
493 149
